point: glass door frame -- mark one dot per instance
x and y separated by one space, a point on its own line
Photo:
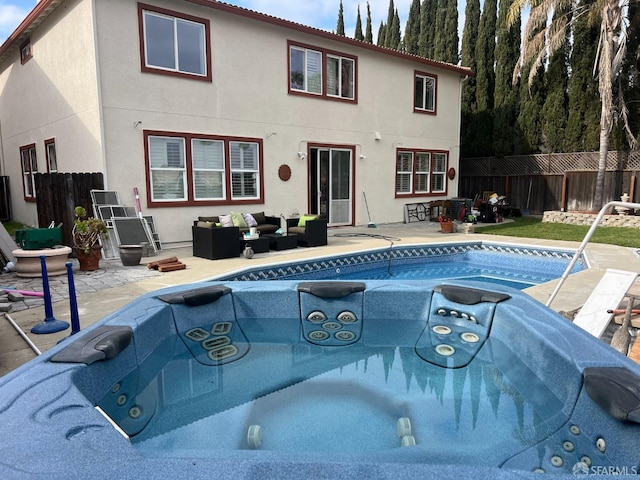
320 202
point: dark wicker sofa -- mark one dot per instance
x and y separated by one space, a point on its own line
213 241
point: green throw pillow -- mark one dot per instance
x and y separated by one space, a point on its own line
238 220
305 218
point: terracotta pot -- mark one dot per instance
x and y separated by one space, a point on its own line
446 227
89 261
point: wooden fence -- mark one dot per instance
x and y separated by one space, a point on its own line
556 181
57 194
5 199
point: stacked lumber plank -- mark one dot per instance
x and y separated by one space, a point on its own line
167 265
634 351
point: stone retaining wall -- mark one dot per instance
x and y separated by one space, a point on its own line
575 218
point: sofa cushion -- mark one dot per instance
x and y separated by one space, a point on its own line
209 219
267 228
249 220
264 228
238 220
259 218
202 224
226 221
305 218
296 230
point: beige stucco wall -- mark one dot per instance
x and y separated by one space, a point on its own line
79 96
248 97
53 95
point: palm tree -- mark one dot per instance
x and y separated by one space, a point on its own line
542 38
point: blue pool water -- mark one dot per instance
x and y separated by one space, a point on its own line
511 265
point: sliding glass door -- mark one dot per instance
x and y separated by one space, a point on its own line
331 185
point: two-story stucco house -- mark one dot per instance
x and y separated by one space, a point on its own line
209 108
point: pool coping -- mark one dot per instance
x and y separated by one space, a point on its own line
405 253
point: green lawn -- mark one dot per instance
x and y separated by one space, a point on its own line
12 226
532 227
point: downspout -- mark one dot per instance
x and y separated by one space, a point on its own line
459 135
103 147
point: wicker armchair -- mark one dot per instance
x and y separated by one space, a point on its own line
313 234
215 243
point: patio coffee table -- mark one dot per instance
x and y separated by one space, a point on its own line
281 242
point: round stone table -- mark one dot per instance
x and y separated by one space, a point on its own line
28 261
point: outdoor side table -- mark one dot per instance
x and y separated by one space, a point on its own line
282 242
258 245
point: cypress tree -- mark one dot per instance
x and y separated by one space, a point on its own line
381 34
446 33
531 103
469 37
469 105
507 53
340 25
554 111
394 37
450 33
388 26
412 29
583 125
485 55
485 81
428 13
358 33
440 39
368 36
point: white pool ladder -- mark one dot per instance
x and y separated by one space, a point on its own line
586 239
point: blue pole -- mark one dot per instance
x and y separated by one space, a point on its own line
73 303
50 324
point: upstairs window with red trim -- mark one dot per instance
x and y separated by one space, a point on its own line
315 71
425 93
25 51
174 44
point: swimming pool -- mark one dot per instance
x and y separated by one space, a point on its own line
517 266
332 379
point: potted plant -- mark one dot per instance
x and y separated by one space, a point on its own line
87 232
446 224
